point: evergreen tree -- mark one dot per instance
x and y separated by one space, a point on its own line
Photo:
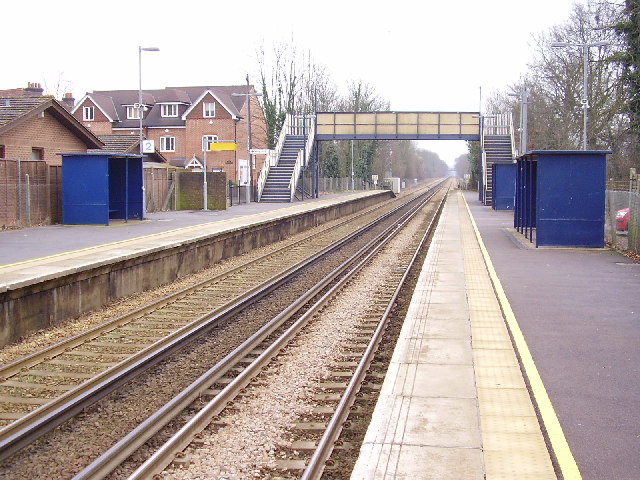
629 29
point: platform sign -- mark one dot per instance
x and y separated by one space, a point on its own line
222 146
148 146
259 151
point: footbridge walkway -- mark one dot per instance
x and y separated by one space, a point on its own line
296 151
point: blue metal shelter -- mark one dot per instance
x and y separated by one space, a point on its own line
504 186
100 186
561 195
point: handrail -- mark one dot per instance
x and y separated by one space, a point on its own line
512 135
307 128
311 131
293 182
299 125
269 161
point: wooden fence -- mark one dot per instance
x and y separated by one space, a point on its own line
30 193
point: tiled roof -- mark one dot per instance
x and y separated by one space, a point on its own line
14 111
120 143
127 144
113 103
12 108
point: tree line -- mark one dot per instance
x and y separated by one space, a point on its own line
604 36
293 83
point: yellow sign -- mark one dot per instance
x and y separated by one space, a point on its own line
222 146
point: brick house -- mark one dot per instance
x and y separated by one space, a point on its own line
38 128
181 121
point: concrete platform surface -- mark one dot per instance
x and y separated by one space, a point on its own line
579 311
36 242
454 403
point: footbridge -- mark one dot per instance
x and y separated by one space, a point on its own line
296 150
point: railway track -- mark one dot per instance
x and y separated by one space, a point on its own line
222 384
61 381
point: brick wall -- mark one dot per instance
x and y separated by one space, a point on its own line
100 125
44 132
188 139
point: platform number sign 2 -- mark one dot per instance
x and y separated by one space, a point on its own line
148 146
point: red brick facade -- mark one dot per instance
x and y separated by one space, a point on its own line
185 136
41 132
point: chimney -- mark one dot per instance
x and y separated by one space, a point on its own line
34 90
68 101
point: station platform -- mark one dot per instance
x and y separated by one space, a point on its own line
497 374
514 362
54 273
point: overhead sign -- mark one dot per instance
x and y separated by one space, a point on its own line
222 146
148 146
259 151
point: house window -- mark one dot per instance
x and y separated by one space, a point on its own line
209 109
167 144
207 139
133 112
37 153
169 110
2 151
87 114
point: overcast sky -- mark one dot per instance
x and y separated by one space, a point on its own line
420 55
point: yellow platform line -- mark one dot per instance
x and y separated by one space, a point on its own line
281 212
558 441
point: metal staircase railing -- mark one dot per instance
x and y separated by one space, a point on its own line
494 125
294 125
306 127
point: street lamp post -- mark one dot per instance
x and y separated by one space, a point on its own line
140 110
248 96
585 79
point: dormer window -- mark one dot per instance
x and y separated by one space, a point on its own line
88 114
209 109
133 112
169 110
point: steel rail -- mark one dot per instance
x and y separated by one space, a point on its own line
15 367
321 455
27 429
163 456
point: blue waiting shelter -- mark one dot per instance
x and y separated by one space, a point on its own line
98 186
560 194
504 185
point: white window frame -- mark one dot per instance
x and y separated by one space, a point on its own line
168 143
206 139
88 114
209 112
133 112
168 110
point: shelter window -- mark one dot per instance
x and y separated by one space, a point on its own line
88 114
168 144
2 151
207 139
133 112
209 109
37 153
169 110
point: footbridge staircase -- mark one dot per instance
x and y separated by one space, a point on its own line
282 169
497 142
